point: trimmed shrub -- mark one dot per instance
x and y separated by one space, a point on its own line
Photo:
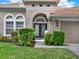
48 38
26 35
15 36
58 37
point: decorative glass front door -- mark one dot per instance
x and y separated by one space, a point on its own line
40 29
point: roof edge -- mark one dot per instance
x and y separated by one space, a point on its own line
13 7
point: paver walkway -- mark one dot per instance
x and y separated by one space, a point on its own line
72 47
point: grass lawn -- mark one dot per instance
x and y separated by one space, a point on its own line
10 51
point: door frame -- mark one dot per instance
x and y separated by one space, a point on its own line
40 24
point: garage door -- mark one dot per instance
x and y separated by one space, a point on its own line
71 30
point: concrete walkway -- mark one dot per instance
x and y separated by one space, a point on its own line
72 47
40 44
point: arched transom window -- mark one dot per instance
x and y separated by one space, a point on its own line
40 19
12 23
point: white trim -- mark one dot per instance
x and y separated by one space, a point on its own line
5 21
8 15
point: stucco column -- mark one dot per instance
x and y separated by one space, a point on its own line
50 25
29 18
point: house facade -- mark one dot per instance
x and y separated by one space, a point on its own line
41 15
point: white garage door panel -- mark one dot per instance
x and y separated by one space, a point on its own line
71 30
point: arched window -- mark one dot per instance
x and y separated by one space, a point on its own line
12 23
8 24
19 17
20 21
9 17
40 19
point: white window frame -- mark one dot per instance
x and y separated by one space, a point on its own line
14 21
5 23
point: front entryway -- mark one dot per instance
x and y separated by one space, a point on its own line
40 25
40 29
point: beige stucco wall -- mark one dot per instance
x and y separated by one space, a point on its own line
31 12
4 12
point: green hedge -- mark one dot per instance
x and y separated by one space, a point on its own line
48 38
58 37
27 35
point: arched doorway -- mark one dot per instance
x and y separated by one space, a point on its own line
40 25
